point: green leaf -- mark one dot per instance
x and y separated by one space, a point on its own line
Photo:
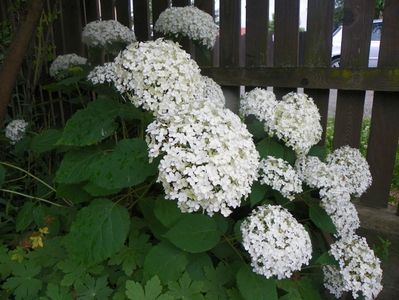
73 192
56 292
165 261
308 290
270 147
97 191
98 232
167 212
258 193
216 279
321 219
126 166
74 167
254 286
326 259
151 291
318 151
23 284
133 256
195 267
2 175
194 233
75 272
90 125
24 216
256 128
92 288
45 141
185 288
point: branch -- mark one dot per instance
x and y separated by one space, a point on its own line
16 54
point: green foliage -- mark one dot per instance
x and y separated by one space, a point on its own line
98 232
151 291
45 141
253 286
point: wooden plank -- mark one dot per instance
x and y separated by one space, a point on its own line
230 24
257 21
384 131
72 26
317 50
356 35
107 10
180 3
122 8
92 12
141 19
382 79
286 37
158 6
207 6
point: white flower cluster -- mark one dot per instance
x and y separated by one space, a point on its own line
158 76
209 161
105 33
359 269
259 103
213 92
61 64
345 173
277 243
188 22
280 176
15 130
295 119
102 74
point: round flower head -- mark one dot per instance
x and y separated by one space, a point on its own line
213 92
15 130
209 161
102 74
158 76
277 243
278 174
296 122
105 34
352 169
189 22
343 214
259 103
359 270
314 172
62 63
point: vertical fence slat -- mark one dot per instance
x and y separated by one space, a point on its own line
107 9
92 10
158 6
207 6
72 26
356 35
141 20
286 37
257 20
384 131
123 12
317 50
180 3
230 24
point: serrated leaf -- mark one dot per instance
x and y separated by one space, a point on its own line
126 166
24 216
254 286
92 288
195 267
194 233
167 212
74 166
92 124
151 291
45 141
56 292
2 175
216 279
321 219
23 284
165 261
75 272
98 232
185 288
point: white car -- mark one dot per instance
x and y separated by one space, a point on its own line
374 45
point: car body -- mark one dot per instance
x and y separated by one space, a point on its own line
374 45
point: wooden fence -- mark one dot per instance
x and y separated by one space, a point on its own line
287 71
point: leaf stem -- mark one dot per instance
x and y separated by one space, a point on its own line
31 197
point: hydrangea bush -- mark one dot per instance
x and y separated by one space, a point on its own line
154 190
